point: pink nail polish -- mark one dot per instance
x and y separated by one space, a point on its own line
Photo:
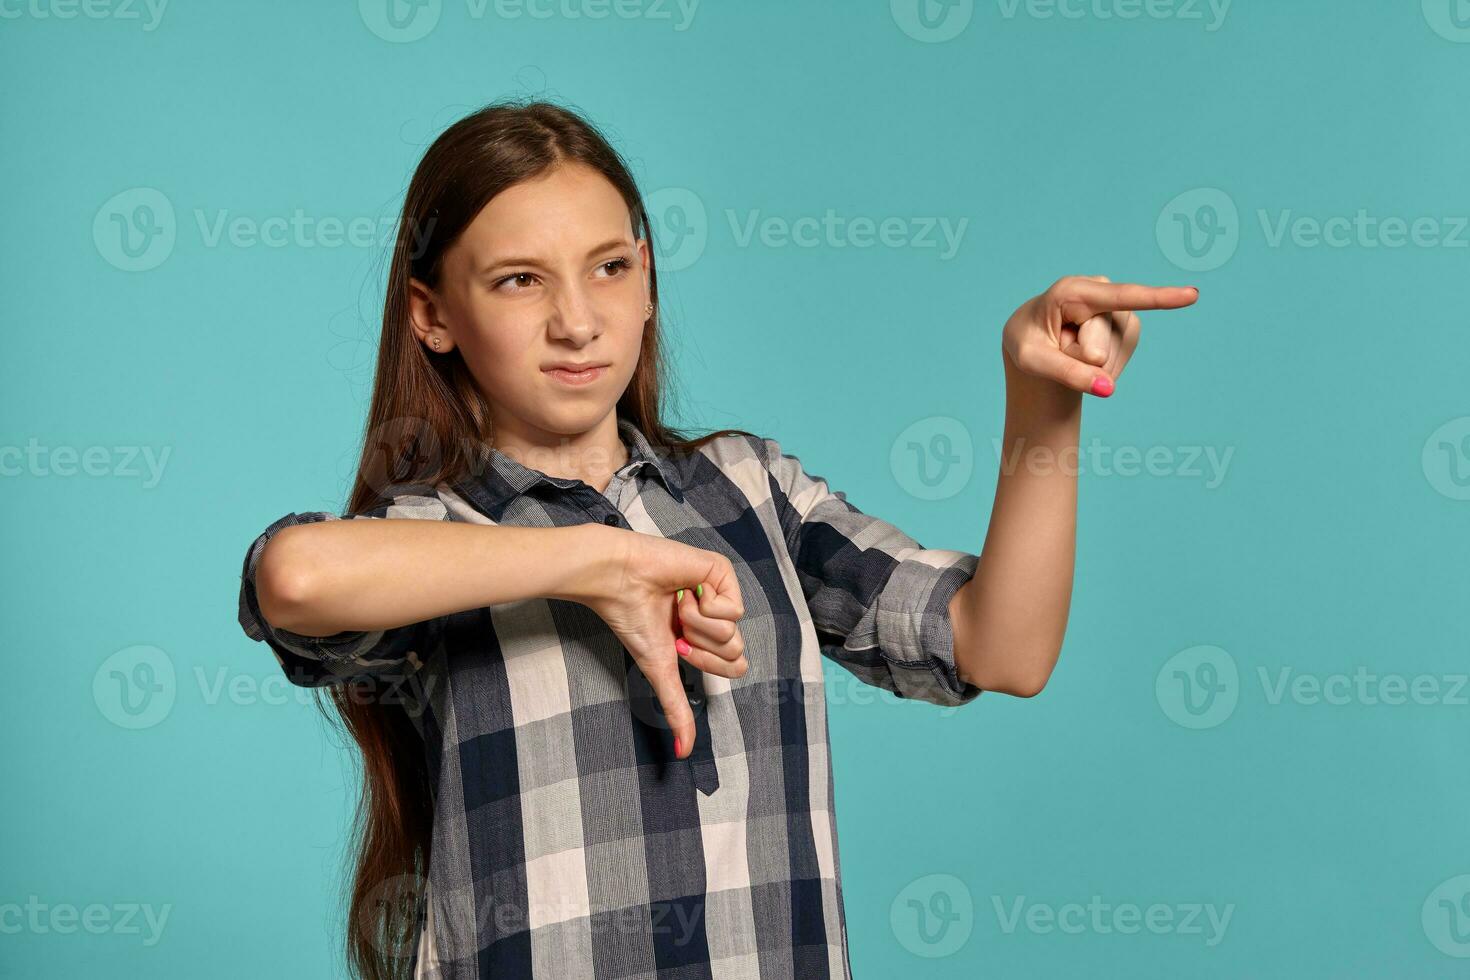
682 645
678 746
1102 386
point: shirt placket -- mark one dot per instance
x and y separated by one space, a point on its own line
701 761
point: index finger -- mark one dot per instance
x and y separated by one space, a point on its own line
1109 297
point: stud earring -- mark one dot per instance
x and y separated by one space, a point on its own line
648 309
435 342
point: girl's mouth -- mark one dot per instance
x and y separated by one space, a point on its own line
578 377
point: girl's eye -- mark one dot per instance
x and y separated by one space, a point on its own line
512 278
618 265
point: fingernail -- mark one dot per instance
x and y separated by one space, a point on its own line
1102 386
679 596
678 746
699 590
682 645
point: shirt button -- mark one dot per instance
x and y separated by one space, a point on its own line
610 519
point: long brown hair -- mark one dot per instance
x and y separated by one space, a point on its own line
429 422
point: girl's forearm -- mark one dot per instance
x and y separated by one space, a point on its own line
1010 618
321 578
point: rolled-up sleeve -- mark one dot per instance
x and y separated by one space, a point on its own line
879 600
316 661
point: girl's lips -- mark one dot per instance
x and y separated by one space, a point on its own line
579 378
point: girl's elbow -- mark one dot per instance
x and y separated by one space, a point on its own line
281 583
1022 682
1007 664
1027 687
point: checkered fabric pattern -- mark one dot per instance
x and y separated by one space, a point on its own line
568 841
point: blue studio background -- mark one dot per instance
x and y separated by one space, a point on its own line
1250 760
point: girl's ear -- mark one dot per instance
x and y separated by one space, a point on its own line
643 257
423 318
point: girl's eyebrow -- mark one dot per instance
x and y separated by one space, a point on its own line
611 243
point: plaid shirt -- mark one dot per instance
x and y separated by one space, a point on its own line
568 841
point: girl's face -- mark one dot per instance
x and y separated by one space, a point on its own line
548 272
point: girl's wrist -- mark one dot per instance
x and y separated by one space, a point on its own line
593 557
1030 397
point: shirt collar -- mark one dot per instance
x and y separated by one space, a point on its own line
496 477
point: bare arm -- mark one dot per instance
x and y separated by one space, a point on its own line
325 577
322 578
1010 618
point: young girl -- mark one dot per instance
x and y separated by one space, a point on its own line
582 656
